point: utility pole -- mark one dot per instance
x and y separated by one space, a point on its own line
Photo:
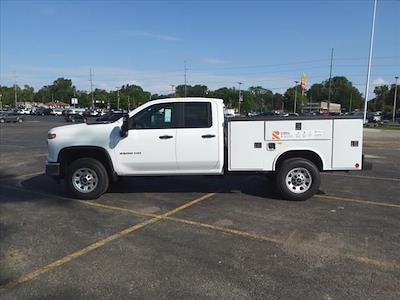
295 96
173 90
128 103
330 83
15 95
351 100
1 103
395 99
118 100
185 77
240 95
91 88
371 45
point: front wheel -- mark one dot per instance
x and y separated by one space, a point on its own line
298 179
86 179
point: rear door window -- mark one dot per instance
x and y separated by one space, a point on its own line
197 115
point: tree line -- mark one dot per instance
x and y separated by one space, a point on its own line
255 98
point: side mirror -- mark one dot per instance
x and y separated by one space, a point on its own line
124 127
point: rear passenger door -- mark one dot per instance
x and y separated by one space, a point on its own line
197 138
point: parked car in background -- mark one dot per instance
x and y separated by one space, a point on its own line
24 111
290 115
41 111
6 117
75 118
377 117
57 112
78 111
265 114
111 117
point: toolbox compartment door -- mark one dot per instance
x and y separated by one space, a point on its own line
347 144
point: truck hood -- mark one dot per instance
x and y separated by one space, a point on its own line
98 135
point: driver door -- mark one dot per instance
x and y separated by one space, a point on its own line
150 146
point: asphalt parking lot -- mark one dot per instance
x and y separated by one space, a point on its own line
197 237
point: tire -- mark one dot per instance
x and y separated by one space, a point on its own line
20 120
2 121
86 179
298 179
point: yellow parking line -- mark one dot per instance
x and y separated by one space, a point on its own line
21 176
375 262
189 222
100 243
357 201
362 177
76 254
166 216
227 230
363 259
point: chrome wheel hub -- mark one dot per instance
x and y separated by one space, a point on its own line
84 180
298 180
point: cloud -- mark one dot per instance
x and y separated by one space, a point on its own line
155 81
379 81
152 35
215 61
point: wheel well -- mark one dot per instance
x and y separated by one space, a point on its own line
70 154
307 154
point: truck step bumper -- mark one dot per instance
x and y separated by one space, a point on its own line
365 164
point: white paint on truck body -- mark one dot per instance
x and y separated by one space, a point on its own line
338 142
201 150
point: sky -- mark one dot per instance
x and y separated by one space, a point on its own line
267 43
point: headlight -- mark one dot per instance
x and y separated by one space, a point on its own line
51 136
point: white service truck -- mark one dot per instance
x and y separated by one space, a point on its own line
190 136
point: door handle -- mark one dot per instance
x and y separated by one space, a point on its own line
165 137
208 136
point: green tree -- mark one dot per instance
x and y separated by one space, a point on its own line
289 98
26 94
264 98
7 95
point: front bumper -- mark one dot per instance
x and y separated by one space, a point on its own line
53 169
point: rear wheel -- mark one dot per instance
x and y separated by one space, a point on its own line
2 121
298 179
86 179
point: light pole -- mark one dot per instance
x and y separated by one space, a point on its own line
371 44
239 83
185 70
173 90
330 83
295 96
395 99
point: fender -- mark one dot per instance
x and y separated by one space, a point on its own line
69 154
309 154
